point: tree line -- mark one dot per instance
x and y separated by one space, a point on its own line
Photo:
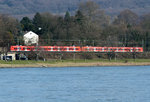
90 25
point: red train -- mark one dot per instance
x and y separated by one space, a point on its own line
76 49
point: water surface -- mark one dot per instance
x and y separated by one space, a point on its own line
75 84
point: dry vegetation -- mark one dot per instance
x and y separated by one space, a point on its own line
71 63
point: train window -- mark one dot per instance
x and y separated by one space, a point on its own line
127 49
71 48
17 48
99 49
62 49
55 48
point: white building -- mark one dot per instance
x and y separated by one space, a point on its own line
31 38
9 56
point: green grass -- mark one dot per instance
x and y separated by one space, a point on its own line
74 61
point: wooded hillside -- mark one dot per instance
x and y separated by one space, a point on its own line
28 7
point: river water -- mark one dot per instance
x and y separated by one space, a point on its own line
75 84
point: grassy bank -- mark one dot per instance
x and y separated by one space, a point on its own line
68 63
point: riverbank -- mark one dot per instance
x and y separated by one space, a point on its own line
70 63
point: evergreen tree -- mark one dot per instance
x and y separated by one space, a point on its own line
37 21
27 24
80 18
67 20
67 17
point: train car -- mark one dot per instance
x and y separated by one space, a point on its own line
46 48
22 48
112 49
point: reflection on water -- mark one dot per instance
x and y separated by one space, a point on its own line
76 84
